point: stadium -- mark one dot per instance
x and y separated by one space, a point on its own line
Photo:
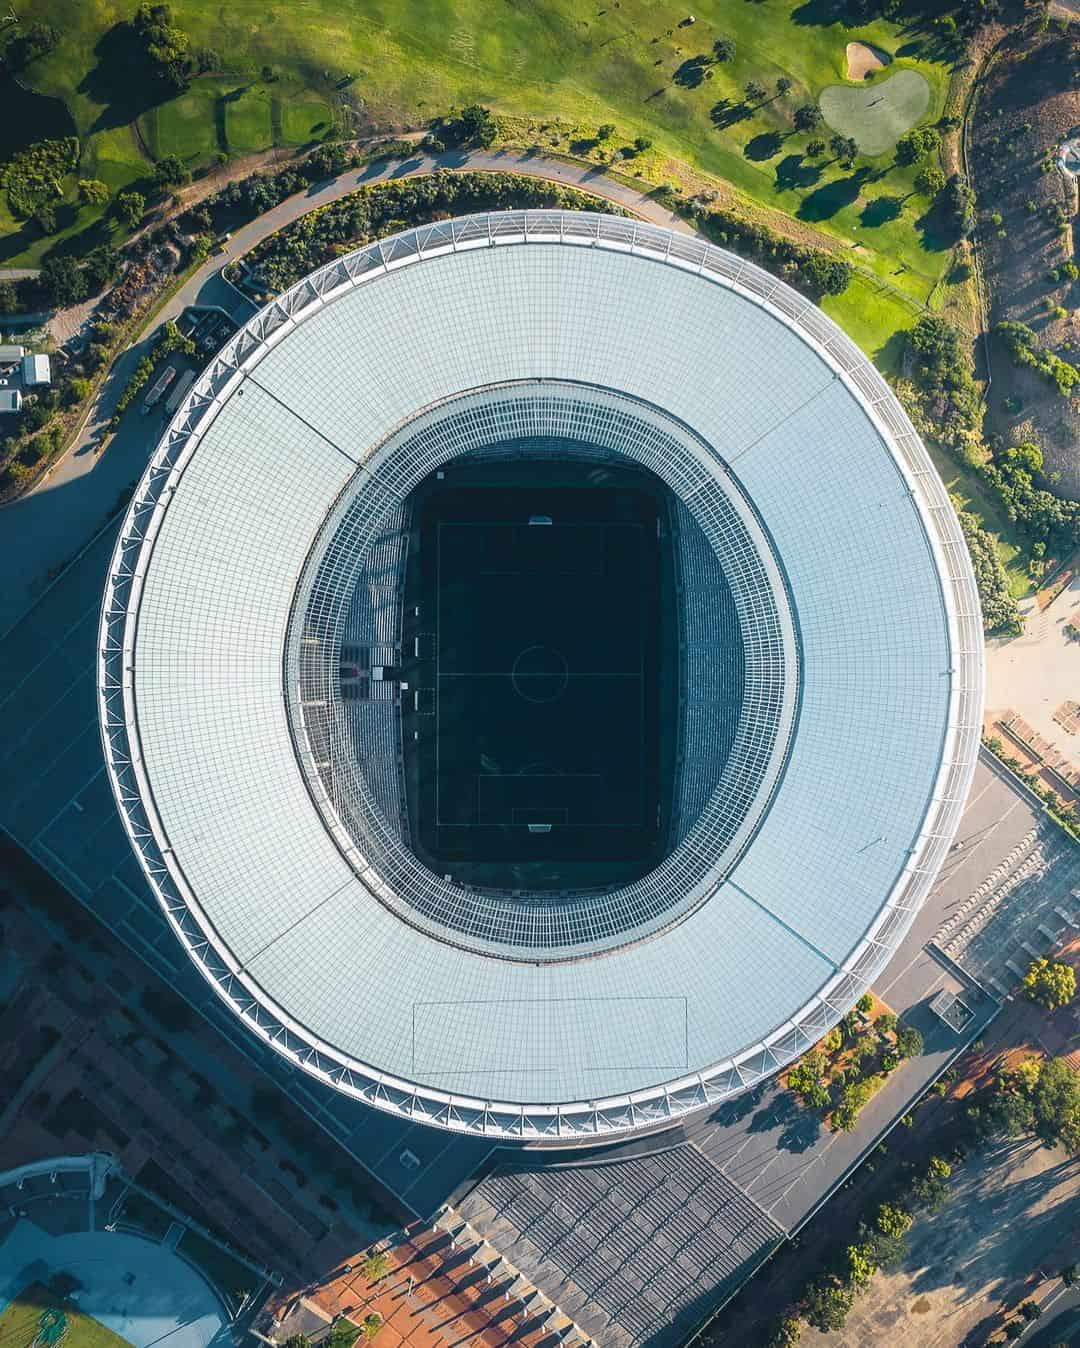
540 674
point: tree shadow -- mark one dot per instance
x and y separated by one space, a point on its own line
734 1111
881 211
121 79
826 201
937 228
691 74
890 355
763 146
726 113
794 173
820 13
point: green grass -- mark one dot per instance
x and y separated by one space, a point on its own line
248 124
875 318
877 113
185 126
305 118
970 493
567 61
20 1319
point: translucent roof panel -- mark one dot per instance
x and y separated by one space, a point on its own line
287 915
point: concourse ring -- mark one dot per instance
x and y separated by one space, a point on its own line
312 949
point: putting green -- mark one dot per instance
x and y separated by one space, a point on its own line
876 115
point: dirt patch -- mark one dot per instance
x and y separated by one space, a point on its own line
863 59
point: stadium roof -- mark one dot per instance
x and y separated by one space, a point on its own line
293 925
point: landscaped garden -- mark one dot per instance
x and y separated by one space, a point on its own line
842 1073
45 1316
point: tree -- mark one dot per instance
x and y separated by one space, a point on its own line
376 1265
62 281
917 144
1069 1275
93 192
755 93
807 117
171 171
860 1267
297 1341
909 1042
845 149
36 41
724 50
1015 1330
1050 983
815 149
892 1220
833 1041
130 208
1055 1099
372 1324
1030 1310
959 202
885 1023
783 86
9 298
826 1304
642 143
929 181
478 126
166 47
77 391
605 131
787 1333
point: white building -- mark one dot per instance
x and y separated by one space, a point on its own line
10 354
10 400
35 370
252 791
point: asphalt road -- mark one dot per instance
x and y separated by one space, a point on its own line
49 525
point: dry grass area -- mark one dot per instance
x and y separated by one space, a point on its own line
1012 1211
1027 106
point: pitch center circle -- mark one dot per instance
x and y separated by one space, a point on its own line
540 674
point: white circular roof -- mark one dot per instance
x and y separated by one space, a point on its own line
296 927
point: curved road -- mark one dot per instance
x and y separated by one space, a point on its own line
46 528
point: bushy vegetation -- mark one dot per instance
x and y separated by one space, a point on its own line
30 44
851 1063
166 47
292 252
1000 612
952 408
1020 342
810 269
1051 983
33 178
169 339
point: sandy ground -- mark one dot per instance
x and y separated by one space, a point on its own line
863 60
1014 1210
1038 671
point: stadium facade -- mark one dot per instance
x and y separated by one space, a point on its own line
257 707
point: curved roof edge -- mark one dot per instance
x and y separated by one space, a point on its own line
669 1100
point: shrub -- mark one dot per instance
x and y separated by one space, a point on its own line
917 144
93 192
724 50
909 1042
32 177
376 1265
1051 984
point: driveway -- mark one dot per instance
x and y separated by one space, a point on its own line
46 528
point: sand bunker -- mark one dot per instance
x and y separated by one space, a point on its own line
863 60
